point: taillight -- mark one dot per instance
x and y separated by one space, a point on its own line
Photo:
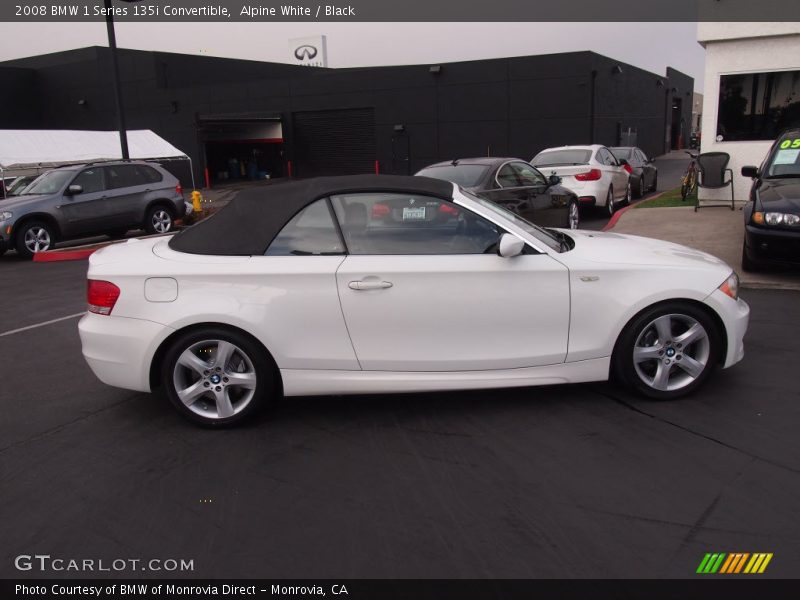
448 209
628 168
179 189
592 175
102 296
380 210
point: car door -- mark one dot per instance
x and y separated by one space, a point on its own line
84 211
543 207
647 168
434 296
618 175
126 187
505 189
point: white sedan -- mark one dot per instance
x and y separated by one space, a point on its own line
374 283
592 172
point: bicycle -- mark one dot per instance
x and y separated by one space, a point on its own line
689 181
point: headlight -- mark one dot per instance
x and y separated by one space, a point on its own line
5 216
776 218
730 287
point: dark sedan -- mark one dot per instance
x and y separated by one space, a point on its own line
643 173
515 185
772 213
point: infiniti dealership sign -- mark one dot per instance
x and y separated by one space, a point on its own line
309 51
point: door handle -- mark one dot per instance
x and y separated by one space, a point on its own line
369 285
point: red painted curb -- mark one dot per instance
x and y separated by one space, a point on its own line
59 255
615 217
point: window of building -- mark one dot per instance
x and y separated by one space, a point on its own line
757 106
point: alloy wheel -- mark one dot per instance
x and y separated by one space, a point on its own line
574 215
37 239
161 220
215 379
610 201
671 352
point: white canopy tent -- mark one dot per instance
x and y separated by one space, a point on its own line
25 150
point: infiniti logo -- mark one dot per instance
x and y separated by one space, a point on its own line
305 52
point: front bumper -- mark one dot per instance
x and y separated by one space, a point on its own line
735 315
777 246
120 350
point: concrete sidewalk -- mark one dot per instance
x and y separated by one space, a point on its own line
718 231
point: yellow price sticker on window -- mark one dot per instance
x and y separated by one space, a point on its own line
795 143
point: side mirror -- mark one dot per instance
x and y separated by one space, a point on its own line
651 160
554 179
74 189
750 171
510 245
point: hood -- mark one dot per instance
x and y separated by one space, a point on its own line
616 248
22 201
782 195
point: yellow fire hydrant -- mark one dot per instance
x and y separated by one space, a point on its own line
197 198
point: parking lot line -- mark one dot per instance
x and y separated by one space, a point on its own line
42 324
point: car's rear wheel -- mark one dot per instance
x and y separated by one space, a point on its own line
34 237
641 190
159 219
573 215
628 194
216 376
610 201
668 351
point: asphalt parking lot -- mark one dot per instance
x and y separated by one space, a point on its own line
568 481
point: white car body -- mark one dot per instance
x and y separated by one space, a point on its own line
613 176
448 322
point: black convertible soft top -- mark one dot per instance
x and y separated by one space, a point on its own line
247 225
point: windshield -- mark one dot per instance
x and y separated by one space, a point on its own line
550 158
463 175
785 160
50 183
547 238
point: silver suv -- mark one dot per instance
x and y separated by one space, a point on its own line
84 200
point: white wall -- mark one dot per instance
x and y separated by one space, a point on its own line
741 48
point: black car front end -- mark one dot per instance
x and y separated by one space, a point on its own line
772 224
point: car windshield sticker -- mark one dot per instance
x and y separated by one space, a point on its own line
786 157
790 143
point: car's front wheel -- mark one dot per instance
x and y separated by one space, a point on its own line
216 377
159 219
668 350
34 237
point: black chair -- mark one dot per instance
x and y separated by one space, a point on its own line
713 168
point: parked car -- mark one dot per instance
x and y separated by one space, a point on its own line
301 289
514 184
591 172
100 198
772 213
643 173
19 184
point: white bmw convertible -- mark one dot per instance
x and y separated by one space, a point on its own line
367 284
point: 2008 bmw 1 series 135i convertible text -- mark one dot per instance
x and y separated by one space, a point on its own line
373 283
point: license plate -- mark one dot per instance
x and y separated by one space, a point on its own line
416 213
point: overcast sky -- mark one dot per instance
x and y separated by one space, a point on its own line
651 46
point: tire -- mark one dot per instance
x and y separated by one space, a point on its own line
610 201
747 264
209 395
654 188
628 194
33 237
666 369
573 215
159 219
641 189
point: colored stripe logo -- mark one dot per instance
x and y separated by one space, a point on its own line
734 563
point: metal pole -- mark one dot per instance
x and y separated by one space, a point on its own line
112 44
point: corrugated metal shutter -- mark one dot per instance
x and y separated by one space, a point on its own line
334 142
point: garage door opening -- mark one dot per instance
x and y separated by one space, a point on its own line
243 150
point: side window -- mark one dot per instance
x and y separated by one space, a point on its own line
149 174
506 177
528 175
122 176
642 157
311 232
411 224
604 157
91 180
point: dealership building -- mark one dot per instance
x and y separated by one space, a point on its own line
240 119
